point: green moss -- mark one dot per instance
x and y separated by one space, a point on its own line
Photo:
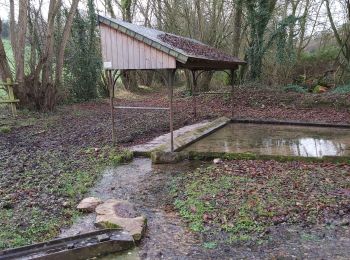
5 129
210 245
110 225
121 157
252 156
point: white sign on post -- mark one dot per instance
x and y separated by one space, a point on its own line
107 65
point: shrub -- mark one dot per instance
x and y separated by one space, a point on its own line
342 89
295 88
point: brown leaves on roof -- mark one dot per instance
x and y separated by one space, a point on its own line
197 49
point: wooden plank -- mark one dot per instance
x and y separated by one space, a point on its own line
148 57
131 53
119 49
142 59
159 59
212 93
143 108
114 50
108 45
125 52
103 41
7 101
137 45
8 84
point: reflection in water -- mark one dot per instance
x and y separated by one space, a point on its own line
311 147
277 140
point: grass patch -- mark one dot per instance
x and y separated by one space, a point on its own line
241 199
342 89
295 88
42 202
5 129
39 228
121 157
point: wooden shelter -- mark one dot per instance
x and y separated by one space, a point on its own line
126 46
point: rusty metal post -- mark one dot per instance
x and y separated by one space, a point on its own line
232 92
111 99
171 76
194 90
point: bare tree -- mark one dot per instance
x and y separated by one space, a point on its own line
38 89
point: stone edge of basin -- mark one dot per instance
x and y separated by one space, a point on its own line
162 153
251 156
286 122
184 140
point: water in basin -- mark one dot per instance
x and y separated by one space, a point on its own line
285 140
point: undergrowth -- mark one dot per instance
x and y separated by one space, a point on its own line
241 199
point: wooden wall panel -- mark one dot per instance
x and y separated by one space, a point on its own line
125 52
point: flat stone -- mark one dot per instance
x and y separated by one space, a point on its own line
120 214
89 204
135 226
217 161
120 208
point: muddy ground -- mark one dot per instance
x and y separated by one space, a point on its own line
168 236
49 161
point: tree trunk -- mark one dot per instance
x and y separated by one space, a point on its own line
13 29
129 80
204 81
5 72
65 37
21 36
237 28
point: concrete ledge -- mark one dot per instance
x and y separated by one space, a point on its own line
286 122
252 156
183 137
189 138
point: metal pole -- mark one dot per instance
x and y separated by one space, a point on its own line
232 90
111 96
171 75
194 89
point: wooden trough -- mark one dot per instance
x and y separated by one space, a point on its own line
82 246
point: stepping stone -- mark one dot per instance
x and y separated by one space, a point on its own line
89 204
120 214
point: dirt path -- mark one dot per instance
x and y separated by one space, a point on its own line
147 187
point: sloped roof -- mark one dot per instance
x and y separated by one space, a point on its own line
188 52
